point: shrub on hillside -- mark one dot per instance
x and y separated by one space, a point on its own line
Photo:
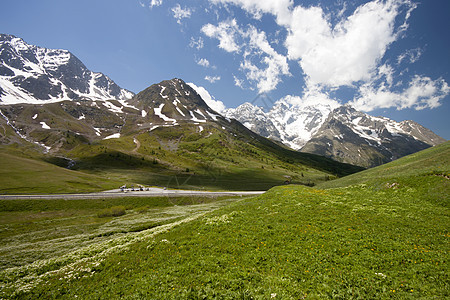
114 211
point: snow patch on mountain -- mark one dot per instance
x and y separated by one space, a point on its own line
158 112
32 74
291 120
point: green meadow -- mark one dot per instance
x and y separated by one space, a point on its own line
174 157
379 234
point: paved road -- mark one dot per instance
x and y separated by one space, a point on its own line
152 192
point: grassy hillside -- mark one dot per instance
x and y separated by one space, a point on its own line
28 175
215 154
386 238
433 161
193 157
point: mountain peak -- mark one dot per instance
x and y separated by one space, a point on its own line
172 101
348 135
32 74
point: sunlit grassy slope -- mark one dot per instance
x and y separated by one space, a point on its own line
380 237
176 157
21 174
432 161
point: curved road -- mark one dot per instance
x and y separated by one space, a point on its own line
152 192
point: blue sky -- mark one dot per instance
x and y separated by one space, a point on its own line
388 58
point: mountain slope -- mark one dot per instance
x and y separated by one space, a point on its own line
431 162
165 135
355 137
290 122
24 174
338 132
32 74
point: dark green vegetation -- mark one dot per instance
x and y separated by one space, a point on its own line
383 237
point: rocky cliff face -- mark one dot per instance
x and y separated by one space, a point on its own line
348 135
338 132
32 74
288 123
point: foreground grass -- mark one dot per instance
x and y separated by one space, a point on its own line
290 243
33 230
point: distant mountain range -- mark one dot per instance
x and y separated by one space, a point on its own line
32 74
337 132
92 107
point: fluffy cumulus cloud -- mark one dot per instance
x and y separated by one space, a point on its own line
269 67
275 64
333 49
336 55
181 13
225 32
216 105
347 53
421 92
330 45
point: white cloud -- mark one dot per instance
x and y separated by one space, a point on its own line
216 105
279 8
422 92
225 32
276 64
337 49
203 62
155 3
181 13
255 47
212 79
238 82
387 72
411 55
311 98
338 55
196 43
347 53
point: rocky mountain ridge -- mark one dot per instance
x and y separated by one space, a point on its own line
336 131
32 74
349 135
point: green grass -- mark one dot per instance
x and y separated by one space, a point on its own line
385 237
32 230
432 161
215 160
21 174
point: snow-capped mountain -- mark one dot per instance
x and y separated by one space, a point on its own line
255 119
291 123
336 131
171 102
31 74
354 137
